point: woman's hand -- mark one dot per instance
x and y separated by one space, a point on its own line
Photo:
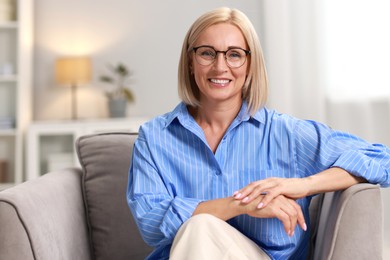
268 189
331 179
285 209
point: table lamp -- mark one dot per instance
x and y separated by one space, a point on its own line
73 71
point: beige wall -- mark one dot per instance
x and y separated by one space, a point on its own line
145 34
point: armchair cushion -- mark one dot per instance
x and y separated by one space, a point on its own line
38 217
351 224
105 159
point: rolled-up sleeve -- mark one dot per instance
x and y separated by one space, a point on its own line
318 147
157 210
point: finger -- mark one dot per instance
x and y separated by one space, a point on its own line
261 189
282 210
286 221
256 193
291 211
253 189
244 192
301 217
261 203
269 195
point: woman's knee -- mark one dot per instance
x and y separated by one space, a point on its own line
201 221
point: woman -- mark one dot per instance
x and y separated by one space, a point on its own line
235 177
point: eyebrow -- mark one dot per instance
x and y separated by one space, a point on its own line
229 47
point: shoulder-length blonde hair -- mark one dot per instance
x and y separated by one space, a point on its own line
255 90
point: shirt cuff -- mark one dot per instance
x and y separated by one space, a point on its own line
361 165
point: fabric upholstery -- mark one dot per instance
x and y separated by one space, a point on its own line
105 160
315 211
17 244
351 224
44 219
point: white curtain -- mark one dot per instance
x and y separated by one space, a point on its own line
307 80
290 45
321 66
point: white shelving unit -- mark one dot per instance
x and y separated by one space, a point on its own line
16 43
50 145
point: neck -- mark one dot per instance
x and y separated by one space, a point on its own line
215 120
216 116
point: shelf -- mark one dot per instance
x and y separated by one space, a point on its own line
7 132
9 25
16 47
8 78
50 145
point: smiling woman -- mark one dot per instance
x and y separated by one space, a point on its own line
222 159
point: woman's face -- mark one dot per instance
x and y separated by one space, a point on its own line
218 83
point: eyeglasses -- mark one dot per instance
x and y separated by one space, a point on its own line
206 55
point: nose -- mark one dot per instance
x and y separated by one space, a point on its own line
220 62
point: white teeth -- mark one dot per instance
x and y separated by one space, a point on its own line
219 81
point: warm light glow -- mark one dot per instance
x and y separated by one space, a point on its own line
73 70
67 41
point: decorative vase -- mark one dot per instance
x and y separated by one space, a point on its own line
117 107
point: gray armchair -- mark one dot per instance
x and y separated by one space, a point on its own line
82 213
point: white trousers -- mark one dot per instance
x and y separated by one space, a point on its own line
207 237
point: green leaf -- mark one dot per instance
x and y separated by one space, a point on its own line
122 70
106 79
128 94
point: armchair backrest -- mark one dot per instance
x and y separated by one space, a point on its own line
105 160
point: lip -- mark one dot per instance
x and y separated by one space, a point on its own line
219 82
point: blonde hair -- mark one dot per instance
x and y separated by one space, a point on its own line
255 90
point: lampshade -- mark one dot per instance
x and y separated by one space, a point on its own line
73 70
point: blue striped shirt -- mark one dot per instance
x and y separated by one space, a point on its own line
173 170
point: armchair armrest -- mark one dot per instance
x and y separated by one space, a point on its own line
44 218
351 224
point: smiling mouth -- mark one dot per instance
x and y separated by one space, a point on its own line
220 81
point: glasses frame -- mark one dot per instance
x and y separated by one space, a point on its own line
247 52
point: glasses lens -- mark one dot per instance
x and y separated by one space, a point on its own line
205 55
235 57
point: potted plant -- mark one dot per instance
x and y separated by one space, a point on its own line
120 95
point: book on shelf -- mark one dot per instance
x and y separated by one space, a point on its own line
7 123
3 171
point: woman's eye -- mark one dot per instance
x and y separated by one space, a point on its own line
234 55
207 53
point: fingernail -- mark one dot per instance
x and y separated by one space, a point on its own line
245 199
304 227
237 195
291 233
260 205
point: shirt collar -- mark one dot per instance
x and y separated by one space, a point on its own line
181 113
244 115
259 116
